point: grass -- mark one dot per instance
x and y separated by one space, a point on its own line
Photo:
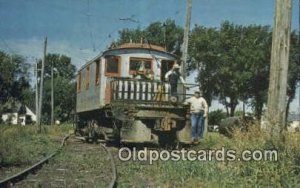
282 173
19 145
59 130
23 145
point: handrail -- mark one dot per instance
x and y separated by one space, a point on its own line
128 89
147 80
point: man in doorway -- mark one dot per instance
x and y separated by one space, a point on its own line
198 110
173 76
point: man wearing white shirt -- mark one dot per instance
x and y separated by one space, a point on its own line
198 110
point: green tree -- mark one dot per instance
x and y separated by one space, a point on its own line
127 35
14 78
294 68
257 54
166 34
7 69
216 54
215 117
232 63
204 52
64 87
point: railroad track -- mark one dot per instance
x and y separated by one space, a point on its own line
73 164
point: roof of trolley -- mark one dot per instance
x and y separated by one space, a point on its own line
127 48
142 45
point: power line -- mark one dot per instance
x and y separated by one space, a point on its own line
90 26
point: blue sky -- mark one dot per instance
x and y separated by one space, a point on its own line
83 28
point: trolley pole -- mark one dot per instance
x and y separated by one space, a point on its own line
277 100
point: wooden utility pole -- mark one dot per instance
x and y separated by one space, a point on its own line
186 38
52 96
41 86
299 46
277 99
36 93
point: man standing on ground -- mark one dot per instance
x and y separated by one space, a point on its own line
198 110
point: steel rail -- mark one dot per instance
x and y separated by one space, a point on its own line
113 181
19 176
113 167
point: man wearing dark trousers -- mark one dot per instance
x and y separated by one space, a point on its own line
173 76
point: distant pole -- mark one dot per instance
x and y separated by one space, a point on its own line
186 37
277 99
36 93
41 86
52 96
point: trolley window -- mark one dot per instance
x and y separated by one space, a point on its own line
79 82
139 64
97 78
112 66
87 79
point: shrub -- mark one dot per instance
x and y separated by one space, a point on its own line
282 173
215 117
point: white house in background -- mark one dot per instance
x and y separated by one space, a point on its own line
20 114
28 117
10 118
31 114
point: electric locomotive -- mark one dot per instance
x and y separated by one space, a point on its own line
122 95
